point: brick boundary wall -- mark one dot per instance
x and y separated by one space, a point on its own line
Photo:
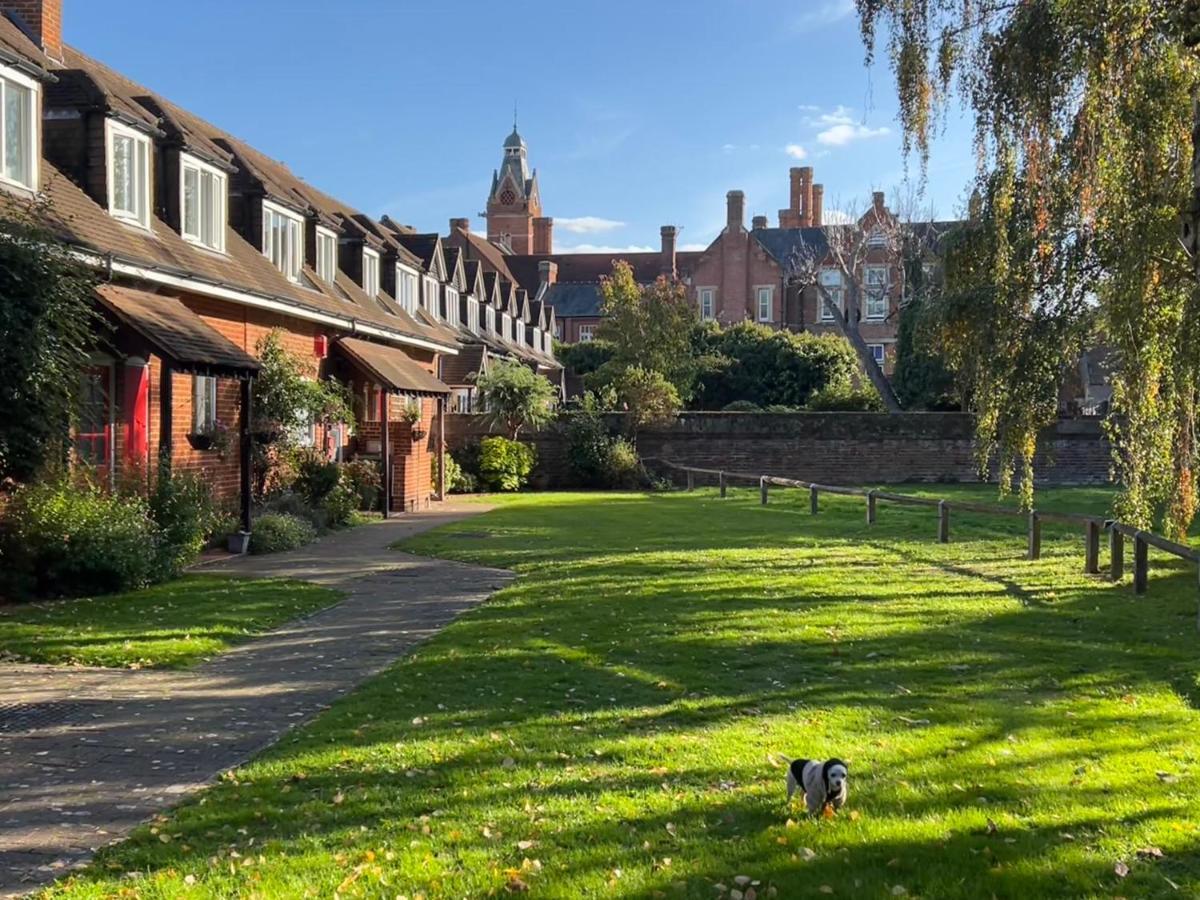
835 448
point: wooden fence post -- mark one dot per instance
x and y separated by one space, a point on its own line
762 487
1116 551
1035 536
1141 563
812 499
1091 554
943 522
870 507
691 480
722 485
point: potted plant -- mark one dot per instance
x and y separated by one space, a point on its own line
215 436
412 415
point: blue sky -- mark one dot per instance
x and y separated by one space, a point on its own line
637 114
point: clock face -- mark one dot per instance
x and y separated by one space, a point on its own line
507 197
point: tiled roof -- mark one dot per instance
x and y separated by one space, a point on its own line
462 370
392 367
572 299
591 267
781 243
176 333
16 43
477 247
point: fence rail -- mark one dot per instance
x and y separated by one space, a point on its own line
1092 526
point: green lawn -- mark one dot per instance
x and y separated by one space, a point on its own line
601 728
171 625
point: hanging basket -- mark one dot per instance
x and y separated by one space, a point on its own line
200 441
419 433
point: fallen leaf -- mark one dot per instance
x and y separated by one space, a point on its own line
825 889
827 812
899 890
854 815
338 798
524 845
1121 869
991 827
1150 853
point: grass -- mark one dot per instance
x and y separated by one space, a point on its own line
1014 729
170 626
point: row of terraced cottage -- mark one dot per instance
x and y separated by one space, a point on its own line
205 245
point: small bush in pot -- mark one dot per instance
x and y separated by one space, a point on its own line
276 532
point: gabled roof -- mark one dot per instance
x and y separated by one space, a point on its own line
781 243
477 247
591 267
571 299
428 249
463 369
455 276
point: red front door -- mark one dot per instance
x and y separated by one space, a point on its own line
94 431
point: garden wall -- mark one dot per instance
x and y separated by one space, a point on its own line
835 448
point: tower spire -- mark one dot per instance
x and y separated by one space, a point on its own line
514 115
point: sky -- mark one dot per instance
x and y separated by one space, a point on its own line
637 114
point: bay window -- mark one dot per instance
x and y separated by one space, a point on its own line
128 174
203 192
283 240
18 130
327 246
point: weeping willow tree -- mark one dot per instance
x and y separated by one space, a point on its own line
1083 115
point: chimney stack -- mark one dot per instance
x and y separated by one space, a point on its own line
460 225
547 272
805 208
877 201
796 179
43 20
818 203
758 223
668 234
543 235
735 211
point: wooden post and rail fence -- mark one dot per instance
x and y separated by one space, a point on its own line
1092 526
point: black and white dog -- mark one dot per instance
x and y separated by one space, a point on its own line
823 783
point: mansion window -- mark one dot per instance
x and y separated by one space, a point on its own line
18 130
203 203
875 278
128 174
708 304
763 296
204 403
877 353
370 273
283 240
406 289
327 247
831 280
587 333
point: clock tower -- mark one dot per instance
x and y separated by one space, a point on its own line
514 208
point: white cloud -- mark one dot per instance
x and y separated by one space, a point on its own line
825 14
808 107
587 224
602 248
839 115
728 148
795 151
840 135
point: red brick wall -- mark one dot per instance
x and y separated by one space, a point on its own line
736 266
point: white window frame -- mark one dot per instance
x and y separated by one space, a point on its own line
204 403
707 297
143 163
835 289
879 356
587 333
32 126
519 331
764 303
489 317
370 272
875 300
452 312
406 288
472 314
220 205
291 261
506 322
432 296
326 262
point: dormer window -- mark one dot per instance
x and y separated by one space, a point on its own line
283 239
506 326
490 319
472 315
370 273
203 203
431 297
406 289
451 305
18 130
327 245
128 174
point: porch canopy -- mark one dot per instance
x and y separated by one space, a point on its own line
392 368
176 334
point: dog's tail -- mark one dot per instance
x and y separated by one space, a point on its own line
778 759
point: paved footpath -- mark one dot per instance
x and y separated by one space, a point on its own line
87 754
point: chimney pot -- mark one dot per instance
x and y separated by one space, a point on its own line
735 211
547 272
877 199
759 223
460 225
43 19
818 203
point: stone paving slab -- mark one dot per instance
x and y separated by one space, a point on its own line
125 745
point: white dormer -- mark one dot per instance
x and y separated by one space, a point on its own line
370 272
203 193
489 318
19 102
283 239
451 305
472 314
432 297
128 160
327 254
406 288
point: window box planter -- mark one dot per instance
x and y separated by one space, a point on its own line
200 441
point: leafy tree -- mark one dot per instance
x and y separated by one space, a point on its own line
646 397
517 396
584 357
922 379
648 327
48 328
1084 114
